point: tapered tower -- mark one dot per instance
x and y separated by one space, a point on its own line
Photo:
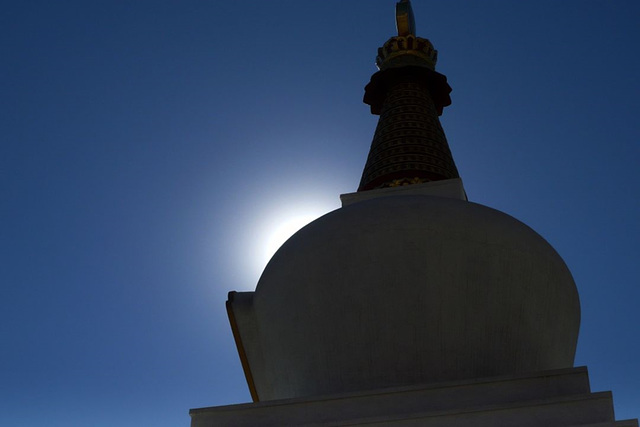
409 145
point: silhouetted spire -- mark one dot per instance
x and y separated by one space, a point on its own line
409 145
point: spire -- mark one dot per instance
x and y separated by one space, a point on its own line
409 145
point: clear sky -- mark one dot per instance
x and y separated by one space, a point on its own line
149 150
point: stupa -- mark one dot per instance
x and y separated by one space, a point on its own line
411 305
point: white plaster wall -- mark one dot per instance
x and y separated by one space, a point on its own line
410 289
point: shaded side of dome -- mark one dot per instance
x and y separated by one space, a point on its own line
410 289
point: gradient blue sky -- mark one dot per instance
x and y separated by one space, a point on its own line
149 148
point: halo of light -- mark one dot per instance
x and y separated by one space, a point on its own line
281 222
287 228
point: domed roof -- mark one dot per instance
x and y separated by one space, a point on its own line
409 289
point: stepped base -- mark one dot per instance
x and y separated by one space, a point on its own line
560 398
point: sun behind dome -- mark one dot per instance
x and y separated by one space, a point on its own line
410 289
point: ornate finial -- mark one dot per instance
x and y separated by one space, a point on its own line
406 49
405 23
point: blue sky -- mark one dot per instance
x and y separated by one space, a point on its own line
149 149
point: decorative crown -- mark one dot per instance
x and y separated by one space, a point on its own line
406 50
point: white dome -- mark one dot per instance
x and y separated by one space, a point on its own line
410 289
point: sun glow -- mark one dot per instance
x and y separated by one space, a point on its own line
282 223
287 228
261 222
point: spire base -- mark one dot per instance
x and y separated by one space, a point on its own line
376 91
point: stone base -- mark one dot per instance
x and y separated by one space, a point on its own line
544 399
